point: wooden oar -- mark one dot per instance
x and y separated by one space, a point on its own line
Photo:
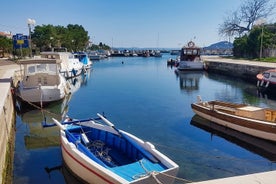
149 155
58 124
46 125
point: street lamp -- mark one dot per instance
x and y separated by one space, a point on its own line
30 22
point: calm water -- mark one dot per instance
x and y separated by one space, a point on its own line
148 99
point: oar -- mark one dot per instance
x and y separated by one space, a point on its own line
46 125
58 124
149 155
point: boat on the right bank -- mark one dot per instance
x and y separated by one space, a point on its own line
255 121
266 81
190 58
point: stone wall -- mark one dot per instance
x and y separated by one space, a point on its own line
244 71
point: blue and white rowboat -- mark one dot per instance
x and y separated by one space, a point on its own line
100 153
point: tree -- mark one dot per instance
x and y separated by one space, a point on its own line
72 37
257 40
242 20
5 45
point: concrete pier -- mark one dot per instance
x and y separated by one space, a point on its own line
237 68
257 178
7 118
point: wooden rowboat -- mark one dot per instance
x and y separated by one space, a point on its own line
100 153
254 121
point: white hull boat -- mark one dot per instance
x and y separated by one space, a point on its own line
41 81
100 153
83 58
190 58
70 66
255 121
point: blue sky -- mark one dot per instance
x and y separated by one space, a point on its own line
125 23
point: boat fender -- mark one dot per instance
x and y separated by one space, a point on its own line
199 100
84 139
262 83
74 72
267 83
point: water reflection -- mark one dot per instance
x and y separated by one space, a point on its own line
189 80
39 137
261 147
69 178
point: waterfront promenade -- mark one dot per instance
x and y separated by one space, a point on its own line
7 119
238 61
7 71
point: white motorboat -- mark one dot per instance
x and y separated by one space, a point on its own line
70 66
83 58
190 58
41 81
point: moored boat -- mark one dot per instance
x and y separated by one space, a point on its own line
99 153
41 82
190 58
251 120
70 66
266 81
83 58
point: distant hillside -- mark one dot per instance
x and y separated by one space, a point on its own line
220 45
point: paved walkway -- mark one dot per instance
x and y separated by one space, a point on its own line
239 61
258 178
7 69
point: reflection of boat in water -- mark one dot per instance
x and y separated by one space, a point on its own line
39 137
189 80
77 82
261 147
69 177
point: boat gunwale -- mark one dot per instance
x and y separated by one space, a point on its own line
252 121
169 165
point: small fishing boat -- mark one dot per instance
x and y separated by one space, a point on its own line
41 82
190 58
101 153
266 81
251 120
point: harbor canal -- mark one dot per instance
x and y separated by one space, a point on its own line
149 99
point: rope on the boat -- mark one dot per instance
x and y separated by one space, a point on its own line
147 173
176 178
38 107
154 173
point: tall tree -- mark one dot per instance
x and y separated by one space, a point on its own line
72 37
242 20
